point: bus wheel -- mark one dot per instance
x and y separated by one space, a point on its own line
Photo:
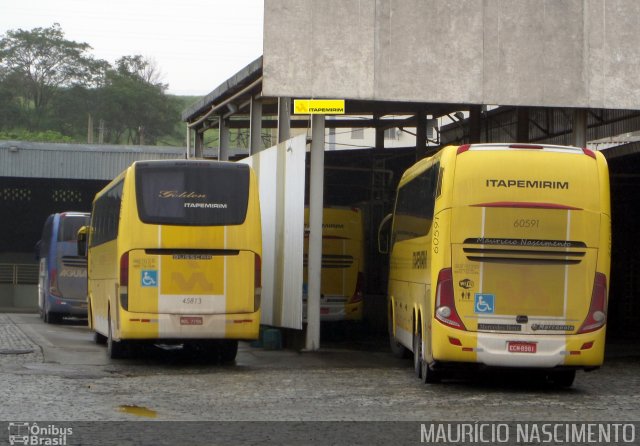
99 338
115 349
564 378
417 354
397 349
228 351
51 317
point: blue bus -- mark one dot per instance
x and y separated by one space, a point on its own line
62 278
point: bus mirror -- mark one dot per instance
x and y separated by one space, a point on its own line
383 234
82 241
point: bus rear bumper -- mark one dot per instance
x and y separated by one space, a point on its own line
67 307
245 326
519 350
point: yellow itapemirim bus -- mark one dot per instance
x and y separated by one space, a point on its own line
500 257
342 279
174 256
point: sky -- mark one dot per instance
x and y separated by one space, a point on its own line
196 44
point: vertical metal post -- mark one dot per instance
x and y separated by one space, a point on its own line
199 145
316 197
421 134
284 119
255 127
224 139
580 128
475 127
523 124
188 142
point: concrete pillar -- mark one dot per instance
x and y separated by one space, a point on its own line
284 119
224 139
314 262
255 127
579 128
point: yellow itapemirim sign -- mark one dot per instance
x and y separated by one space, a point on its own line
318 106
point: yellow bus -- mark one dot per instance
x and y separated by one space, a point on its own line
342 280
500 257
174 256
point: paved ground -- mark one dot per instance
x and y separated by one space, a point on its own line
57 373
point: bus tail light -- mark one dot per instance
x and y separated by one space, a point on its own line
257 282
463 148
53 283
589 152
445 301
124 281
597 316
357 295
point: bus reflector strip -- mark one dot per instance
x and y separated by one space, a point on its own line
520 204
147 321
242 321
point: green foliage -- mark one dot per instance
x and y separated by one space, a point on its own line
25 135
50 87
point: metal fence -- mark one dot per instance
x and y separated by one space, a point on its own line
19 273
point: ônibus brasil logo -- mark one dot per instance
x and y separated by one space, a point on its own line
33 434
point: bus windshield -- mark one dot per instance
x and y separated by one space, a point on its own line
69 226
195 194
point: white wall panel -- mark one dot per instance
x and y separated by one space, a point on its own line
281 178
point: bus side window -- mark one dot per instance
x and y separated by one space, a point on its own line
415 205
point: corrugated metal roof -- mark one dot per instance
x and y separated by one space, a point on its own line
75 161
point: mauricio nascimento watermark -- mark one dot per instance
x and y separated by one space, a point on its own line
527 433
38 435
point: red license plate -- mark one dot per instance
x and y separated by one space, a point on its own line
521 347
190 320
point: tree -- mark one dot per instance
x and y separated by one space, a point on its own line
46 61
135 111
142 67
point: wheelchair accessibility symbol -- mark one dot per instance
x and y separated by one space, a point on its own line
484 303
149 278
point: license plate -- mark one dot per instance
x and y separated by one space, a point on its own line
521 347
190 320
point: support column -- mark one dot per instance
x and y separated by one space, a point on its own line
316 197
188 154
255 127
523 124
284 119
224 139
199 145
421 134
580 127
379 131
475 128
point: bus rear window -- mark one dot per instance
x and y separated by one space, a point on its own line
192 193
69 226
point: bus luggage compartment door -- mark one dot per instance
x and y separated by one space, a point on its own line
191 282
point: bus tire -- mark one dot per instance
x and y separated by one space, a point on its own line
563 378
397 349
228 351
99 339
115 349
430 376
417 354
